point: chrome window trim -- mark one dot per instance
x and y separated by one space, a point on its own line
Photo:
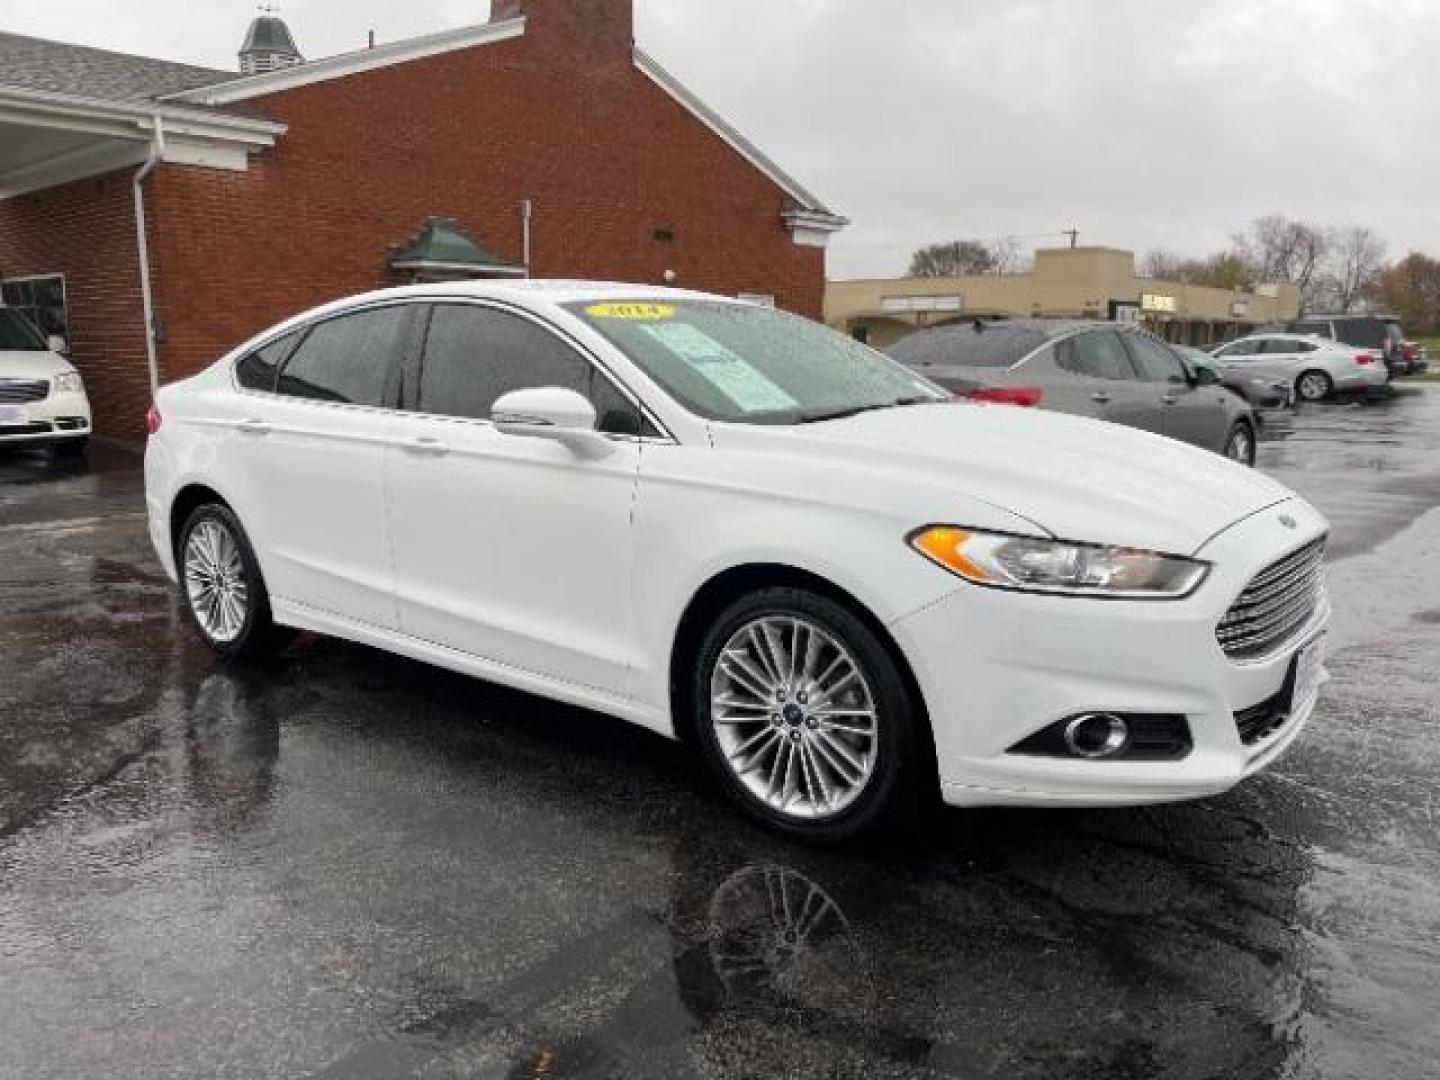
666 437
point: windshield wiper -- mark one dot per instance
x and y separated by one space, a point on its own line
856 410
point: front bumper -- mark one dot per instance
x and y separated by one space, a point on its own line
998 667
56 418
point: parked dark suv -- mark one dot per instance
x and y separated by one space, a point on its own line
1379 332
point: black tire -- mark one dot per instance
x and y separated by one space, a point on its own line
1240 444
73 448
1307 386
902 782
258 635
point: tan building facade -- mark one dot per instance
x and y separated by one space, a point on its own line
1069 283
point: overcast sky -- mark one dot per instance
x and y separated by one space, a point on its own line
1142 123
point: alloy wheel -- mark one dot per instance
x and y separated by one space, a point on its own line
794 717
215 581
1241 447
1314 387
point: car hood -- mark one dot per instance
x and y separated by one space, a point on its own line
1075 478
31 365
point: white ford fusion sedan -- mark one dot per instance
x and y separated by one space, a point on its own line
737 528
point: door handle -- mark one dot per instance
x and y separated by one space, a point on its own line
1100 398
254 427
1170 399
423 444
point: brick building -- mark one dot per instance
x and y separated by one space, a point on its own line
541 142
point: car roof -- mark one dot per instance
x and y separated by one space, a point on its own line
527 292
1346 318
987 343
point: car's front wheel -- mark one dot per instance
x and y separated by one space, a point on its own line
805 719
224 591
1240 444
1314 386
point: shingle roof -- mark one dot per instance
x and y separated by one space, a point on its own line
28 63
268 34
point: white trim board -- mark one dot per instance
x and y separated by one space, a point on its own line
351 63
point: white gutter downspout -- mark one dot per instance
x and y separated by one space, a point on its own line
527 216
157 153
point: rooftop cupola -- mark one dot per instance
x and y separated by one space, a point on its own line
268 45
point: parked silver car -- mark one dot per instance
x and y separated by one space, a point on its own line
1109 371
1315 366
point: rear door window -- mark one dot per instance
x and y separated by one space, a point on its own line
1099 354
350 359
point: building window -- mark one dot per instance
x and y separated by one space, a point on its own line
41 299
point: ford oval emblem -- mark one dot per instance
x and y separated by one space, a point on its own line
1289 522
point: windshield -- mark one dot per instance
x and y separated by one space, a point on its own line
753 365
17 335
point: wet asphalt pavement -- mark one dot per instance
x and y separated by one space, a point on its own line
347 865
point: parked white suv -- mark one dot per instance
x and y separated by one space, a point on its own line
42 397
734 526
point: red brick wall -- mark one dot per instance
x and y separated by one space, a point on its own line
560 116
86 230
606 156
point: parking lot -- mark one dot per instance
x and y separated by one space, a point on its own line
344 864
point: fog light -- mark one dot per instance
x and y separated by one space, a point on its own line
1097 735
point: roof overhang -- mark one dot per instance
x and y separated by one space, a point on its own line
351 63
811 222
48 138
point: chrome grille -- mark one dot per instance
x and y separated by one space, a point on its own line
1276 605
20 390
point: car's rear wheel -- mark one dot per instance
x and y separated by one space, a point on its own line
1240 444
804 717
224 590
1314 386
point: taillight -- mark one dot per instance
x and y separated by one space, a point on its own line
1027 397
1410 352
153 419
1364 359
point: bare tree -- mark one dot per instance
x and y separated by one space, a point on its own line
1282 250
953 259
1357 258
1008 256
1163 265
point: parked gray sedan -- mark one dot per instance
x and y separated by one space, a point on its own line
1108 371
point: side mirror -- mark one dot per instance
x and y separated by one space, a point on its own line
1205 376
58 345
551 412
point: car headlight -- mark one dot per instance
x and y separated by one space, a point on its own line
1030 564
69 383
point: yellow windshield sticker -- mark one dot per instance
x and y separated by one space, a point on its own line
631 312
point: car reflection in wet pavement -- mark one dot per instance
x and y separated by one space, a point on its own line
343 864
